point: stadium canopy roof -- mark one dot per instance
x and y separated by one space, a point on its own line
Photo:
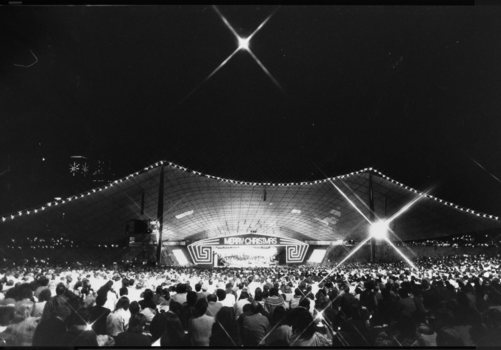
198 206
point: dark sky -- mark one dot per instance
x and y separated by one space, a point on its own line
412 91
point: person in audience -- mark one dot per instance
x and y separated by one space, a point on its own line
51 331
213 306
148 306
273 301
280 333
447 300
21 327
200 325
98 315
254 326
231 295
53 303
80 333
174 334
118 320
181 293
43 297
188 309
201 294
239 305
134 335
225 331
304 333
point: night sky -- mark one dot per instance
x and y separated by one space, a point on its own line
411 91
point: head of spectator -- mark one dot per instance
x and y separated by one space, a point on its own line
45 295
278 316
243 295
191 298
258 294
137 323
221 294
101 299
122 303
302 323
174 334
134 308
60 289
200 308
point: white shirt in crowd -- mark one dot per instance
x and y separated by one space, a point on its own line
229 300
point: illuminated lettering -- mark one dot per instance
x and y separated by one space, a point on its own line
250 241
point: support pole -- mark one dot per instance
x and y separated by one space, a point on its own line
160 213
142 203
372 217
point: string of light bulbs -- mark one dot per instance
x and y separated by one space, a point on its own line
88 193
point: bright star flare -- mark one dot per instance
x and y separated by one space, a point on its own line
243 45
378 229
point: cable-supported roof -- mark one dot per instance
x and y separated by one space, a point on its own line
198 205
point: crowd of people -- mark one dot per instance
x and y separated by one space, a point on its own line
447 301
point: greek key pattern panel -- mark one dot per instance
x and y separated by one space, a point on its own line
295 253
201 254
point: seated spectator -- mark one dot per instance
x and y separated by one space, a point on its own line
134 335
304 333
273 301
243 300
147 301
225 331
200 325
200 293
281 332
118 320
181 294
43 297
174 334
98 315
51 331
254 326
21 328
213 305
224 299
188 309
79 333
134 308
296 299
231 296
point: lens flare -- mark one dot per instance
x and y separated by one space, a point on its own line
243 45
379 229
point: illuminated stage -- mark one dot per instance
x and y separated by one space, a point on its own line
256 256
